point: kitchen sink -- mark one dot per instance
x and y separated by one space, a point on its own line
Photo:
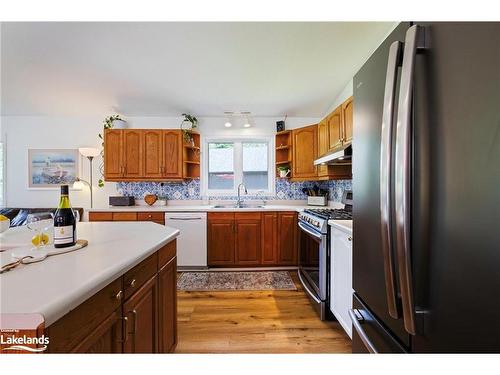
237 206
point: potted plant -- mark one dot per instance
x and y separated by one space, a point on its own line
110 122
188 124
283 171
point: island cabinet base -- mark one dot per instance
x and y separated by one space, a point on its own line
136 313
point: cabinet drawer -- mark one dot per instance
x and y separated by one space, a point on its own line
124 216
138 275
220 216
73 328
100 216
166 253
157 217
247 215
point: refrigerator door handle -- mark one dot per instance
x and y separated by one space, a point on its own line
413 40
386 177
357 321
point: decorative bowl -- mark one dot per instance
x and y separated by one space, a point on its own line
150 199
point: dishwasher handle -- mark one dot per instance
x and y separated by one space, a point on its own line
184 218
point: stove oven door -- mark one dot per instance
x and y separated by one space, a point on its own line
313 249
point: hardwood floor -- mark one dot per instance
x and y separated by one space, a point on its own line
255 322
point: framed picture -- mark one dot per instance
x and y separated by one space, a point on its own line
50 168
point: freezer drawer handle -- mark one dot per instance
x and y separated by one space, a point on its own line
357 322
386 175
414 40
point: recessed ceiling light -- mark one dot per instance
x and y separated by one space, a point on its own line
229 116
228 124
246 125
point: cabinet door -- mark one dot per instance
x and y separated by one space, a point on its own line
113 154
287 238
133 153
141 313
322 145
341 278
248 238
347 119
153 153
335 129
221 239
167 313
106 338
269 238
172 154
305 142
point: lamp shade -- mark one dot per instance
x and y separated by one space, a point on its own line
89 151
78 185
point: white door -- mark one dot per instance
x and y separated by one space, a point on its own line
341 277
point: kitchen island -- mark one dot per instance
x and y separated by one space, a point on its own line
118 294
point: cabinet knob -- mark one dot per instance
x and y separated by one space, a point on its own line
349 238
150 216
132 283
119 295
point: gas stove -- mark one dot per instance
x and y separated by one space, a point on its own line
318 217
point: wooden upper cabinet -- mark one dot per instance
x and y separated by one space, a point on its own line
335 134
305 150
113 154
269 238
172 154
287 238
322 146
153 153
221 239
133 153
248 238
347 119
142 320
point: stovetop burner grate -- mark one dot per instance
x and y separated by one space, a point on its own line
330 214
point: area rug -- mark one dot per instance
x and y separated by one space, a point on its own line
230 281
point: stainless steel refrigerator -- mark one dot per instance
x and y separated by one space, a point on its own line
426 182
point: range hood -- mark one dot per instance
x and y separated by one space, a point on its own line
340 156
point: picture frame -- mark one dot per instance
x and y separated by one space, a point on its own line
51 168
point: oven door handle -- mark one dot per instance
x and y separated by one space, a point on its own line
308 231
304 284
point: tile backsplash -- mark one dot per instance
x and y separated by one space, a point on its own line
190 190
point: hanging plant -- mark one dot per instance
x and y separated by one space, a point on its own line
109 122
188 124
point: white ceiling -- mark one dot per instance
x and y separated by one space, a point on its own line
164 69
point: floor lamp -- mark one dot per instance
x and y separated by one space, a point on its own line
90 153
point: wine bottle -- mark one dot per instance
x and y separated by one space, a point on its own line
64 221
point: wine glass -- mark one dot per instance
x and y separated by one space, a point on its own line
40 223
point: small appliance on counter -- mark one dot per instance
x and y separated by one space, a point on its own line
121 201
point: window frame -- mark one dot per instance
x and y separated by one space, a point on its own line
238 165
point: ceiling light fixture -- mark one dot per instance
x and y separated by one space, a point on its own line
228 123
246 115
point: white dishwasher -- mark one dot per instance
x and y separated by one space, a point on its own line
192 241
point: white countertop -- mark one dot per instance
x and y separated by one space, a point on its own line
60 283
198 208
344 225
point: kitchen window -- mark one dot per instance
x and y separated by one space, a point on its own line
229 162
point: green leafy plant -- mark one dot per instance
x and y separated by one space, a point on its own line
193 121
106 124
285 169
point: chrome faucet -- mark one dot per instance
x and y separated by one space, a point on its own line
239 202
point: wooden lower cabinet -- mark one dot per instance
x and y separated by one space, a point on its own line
252 239
112 321
167 307
106 338
287 238
248 235
221 239
141 314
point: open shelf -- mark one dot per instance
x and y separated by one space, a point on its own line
191 157
283 142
